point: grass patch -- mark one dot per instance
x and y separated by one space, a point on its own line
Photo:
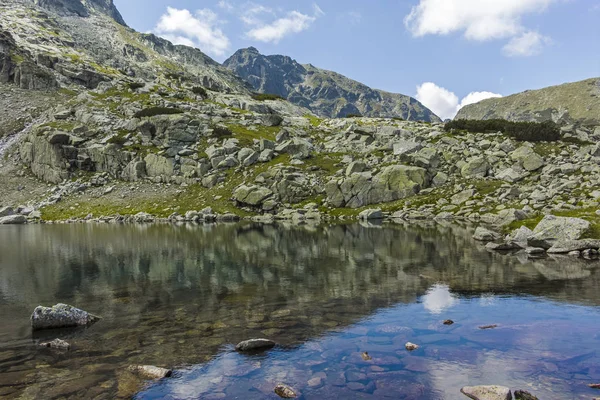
266 96
246 136
314 120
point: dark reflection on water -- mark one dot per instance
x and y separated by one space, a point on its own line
181 296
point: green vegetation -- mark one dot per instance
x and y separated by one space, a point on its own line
59 125
246 135
523 131
266 96
16 58
314 121
152 111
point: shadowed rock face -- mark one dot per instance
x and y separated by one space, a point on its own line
82 8
326 93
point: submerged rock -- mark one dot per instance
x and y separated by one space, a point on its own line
255 344
491 392
60 316
523 395
285 392
365 356
56 344
485 327
150 371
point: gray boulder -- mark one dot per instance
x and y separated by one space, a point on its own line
6 211
251 195
475 168
552 229
462 197
13 220
60 316
371 214
527 158
485 235
406 147
505 217
150 371
567 246
490 392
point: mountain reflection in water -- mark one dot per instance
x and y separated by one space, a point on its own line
181 296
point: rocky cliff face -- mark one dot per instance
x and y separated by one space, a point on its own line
326 93
570 103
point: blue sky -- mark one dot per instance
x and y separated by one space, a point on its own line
444 52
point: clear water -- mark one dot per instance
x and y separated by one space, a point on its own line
183 296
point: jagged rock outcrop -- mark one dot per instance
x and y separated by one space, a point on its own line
577 102
326 93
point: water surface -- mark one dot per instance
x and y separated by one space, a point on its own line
183 296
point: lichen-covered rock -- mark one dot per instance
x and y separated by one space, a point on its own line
527 158
255 344
251 195
552 229
475 168
524 395
489 392
60 316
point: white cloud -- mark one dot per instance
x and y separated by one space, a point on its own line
527 44
293 22
445 103
225 5
253 14
477 19
350 17
201 29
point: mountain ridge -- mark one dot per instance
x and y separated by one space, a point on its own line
326 93
567 103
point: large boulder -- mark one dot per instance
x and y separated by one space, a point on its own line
475 168
6 211
403 147
505 217
527 158
251 195
13 220
60 316
371 214
552 229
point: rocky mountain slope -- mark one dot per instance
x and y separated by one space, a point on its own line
129 127
326 93
577 102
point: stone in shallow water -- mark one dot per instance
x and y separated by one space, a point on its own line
448 322
56 344
285 392
485 327
491 392
60 316
523 395
411 346
255 344
150 371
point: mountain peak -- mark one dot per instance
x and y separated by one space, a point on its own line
82 8
325 93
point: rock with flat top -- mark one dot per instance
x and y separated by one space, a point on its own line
60 316
490 392
553 229
13 220
285 392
